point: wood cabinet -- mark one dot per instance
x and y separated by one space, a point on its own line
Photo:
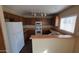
29 21
16 18
28 33
25 20
46 31
12 17
53 21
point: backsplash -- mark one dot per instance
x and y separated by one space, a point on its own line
33 26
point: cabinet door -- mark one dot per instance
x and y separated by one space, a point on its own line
25 21
33 21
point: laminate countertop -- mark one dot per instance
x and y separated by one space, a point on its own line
51 36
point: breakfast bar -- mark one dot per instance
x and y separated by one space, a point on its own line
52 43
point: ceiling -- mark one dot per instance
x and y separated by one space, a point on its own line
27 9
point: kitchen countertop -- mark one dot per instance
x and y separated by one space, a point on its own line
50 36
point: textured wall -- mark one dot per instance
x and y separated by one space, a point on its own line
74 10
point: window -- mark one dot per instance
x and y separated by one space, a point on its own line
68 23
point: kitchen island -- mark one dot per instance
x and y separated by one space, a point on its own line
53 43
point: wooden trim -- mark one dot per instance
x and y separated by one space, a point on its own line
2 45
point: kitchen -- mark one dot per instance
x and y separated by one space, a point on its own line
40 29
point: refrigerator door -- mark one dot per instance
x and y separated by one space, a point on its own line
15 36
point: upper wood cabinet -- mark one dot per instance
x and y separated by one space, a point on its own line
57 22
25 20
12 17
28 21
16 18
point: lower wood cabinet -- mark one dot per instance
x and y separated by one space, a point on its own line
29 32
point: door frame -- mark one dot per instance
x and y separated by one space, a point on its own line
4 31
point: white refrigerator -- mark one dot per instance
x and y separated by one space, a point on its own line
15 36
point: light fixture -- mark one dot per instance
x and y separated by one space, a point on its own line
45 14
34 14
41 14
